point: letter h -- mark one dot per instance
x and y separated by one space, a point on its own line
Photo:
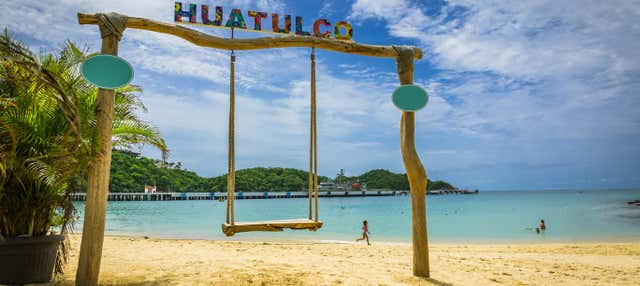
191 13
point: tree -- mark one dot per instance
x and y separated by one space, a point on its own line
385 179
48 133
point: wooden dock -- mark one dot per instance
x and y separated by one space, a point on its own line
176 196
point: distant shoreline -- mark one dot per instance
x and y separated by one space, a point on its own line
184 196
283 238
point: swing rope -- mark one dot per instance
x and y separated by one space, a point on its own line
315 128
313 145
231 172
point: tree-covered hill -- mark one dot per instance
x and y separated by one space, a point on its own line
262 179
130 172
384 179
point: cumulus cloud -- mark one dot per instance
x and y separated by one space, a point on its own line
274 132
538 55
525 75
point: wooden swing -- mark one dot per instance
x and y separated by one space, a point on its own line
232 227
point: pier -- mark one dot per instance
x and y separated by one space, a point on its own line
176 196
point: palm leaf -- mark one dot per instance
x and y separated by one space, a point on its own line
48 133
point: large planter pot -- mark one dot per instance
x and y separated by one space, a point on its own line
28 259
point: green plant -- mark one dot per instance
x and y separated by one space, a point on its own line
48 136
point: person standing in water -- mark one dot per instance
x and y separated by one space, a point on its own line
541 228
365 233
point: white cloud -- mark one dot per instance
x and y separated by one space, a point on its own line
275 132
519 80
385 9
525 39
155 52
516 61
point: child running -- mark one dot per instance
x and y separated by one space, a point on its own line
365 233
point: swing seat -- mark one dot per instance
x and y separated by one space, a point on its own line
272 225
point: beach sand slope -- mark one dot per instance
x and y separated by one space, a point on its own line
140 261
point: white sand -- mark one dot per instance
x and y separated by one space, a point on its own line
139 261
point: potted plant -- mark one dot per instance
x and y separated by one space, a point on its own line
47 136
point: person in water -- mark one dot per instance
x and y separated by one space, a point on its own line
365 233
542 226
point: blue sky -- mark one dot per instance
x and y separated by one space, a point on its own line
524 94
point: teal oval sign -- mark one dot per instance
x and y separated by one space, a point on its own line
410 97
107 71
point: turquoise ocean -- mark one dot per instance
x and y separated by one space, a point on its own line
487 217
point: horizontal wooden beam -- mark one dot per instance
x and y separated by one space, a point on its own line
206 40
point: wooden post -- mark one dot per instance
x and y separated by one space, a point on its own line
111 27
415 171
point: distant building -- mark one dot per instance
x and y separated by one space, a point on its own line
128 152
149 189
326 186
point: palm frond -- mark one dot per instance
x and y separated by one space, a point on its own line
48 134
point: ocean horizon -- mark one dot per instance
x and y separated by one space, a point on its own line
490 216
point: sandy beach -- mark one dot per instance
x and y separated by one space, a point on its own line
141 261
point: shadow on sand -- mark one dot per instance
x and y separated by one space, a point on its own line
437 282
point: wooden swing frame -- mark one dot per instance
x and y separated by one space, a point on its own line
112 25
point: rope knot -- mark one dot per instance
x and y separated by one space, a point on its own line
112 24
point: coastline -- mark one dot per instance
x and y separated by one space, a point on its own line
284 238
138 260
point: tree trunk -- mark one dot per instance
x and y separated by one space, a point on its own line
98 172
415 171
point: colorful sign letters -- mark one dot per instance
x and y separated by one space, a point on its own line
321 27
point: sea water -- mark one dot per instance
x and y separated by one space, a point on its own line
491 216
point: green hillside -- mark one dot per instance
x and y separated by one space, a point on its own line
384 179
261 179
130 172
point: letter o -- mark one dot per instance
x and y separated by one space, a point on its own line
337 32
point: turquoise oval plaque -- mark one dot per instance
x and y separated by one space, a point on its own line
410 97
107 71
